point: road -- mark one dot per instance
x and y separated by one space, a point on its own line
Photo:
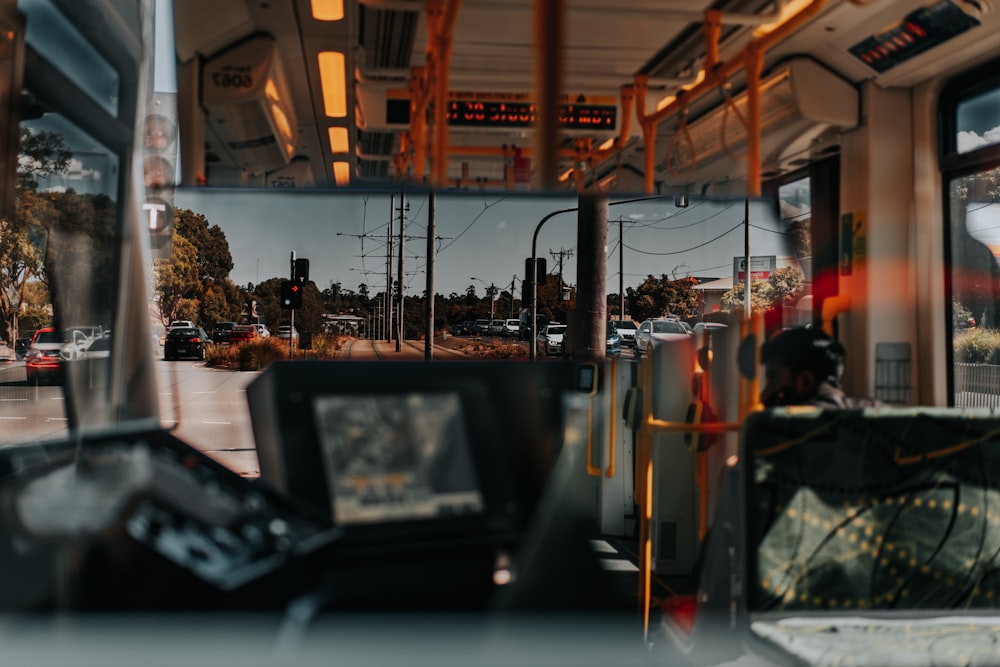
205 407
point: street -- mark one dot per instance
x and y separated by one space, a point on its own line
205 407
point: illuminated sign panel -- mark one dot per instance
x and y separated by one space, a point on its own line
515 110
523 114
920 31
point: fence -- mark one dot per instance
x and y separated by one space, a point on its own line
977 386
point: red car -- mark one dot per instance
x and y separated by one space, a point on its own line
242 333
42 361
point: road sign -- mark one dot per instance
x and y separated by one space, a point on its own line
761 267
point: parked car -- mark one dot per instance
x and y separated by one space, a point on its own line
262 331
285 332
242 333
481 327
613 343
524 325
626 330
22 343
468 328
511 328
456 330
190 342
496 327
656 331
220 334
550 339
42 362
181 323
700 327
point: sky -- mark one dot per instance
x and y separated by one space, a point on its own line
482 238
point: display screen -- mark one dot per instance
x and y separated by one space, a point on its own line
397 457
522 114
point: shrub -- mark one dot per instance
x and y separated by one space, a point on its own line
976 346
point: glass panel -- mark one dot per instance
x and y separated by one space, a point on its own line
50 34
795 212
59 257
975 281
978 123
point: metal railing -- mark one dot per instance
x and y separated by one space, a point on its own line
977 386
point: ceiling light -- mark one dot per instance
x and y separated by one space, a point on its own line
331 72
338 139
789 10
342 173
328 10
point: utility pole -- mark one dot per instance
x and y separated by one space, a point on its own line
388 271
621 271
559 257
399 316
429 335
513 278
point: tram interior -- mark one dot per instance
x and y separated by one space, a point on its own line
449 514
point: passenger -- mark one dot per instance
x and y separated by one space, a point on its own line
804 367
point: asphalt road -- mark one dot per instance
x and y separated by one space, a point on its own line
206 407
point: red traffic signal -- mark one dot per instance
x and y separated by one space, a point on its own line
291 294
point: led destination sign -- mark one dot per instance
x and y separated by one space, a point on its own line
489 113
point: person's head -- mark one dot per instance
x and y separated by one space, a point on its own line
796 362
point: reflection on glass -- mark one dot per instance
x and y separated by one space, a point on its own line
61 254
974 209
978 122
397 457
53 35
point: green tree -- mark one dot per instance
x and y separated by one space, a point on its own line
34 318
215 261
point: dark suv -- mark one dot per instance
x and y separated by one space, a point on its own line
220 334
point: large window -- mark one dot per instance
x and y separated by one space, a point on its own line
970 118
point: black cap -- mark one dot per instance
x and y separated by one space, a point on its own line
806 349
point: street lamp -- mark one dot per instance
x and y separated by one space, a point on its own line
491 292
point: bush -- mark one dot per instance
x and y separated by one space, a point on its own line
253 355
976 346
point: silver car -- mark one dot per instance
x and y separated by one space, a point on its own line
656 331
550 339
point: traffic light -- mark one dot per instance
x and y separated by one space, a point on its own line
291 294
159 166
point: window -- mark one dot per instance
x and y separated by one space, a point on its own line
970 116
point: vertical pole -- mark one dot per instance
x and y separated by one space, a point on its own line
747 305
399 315
590 317
388 271
621 271
429 337
548 87
291 317
512 279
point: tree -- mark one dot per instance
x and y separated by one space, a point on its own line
761 297
658 297
40 155
22 240
215 261
786 285
177 279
